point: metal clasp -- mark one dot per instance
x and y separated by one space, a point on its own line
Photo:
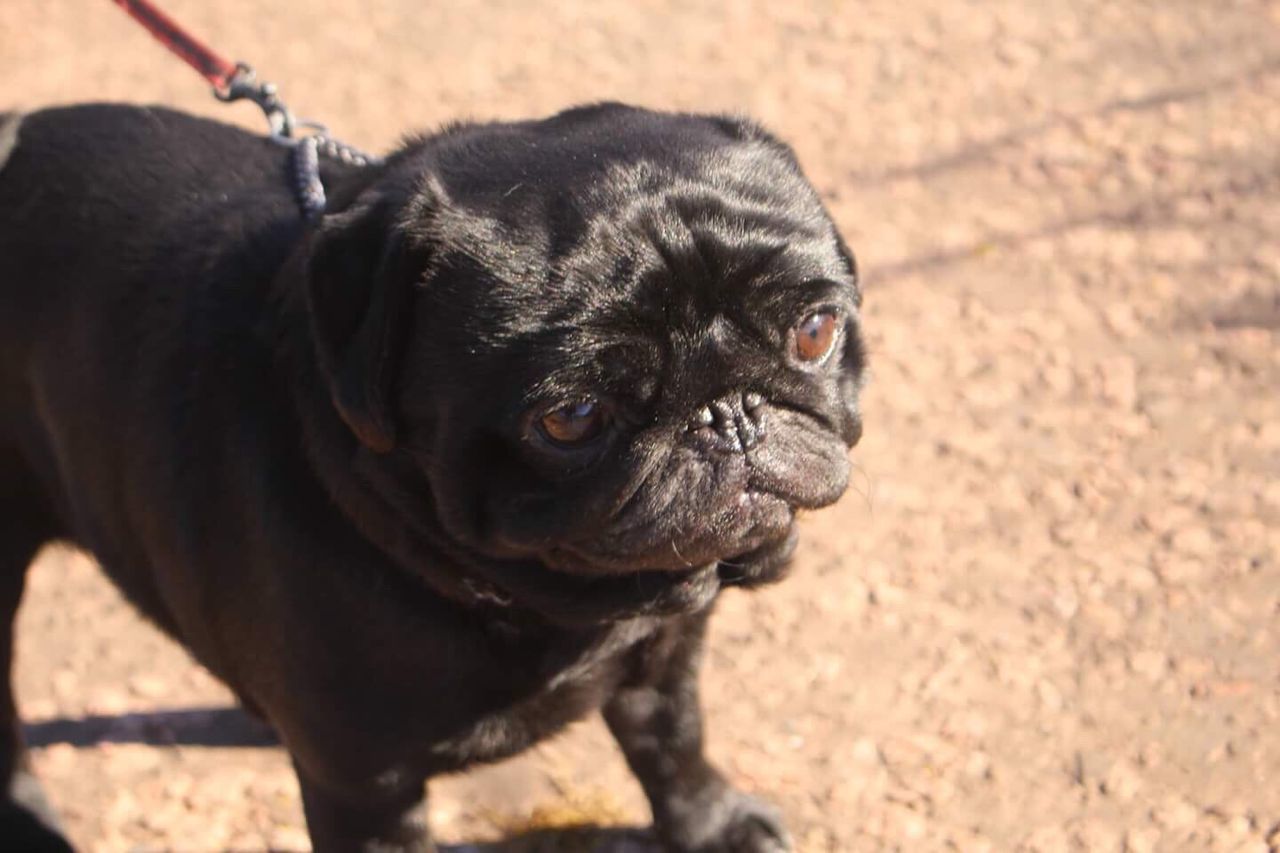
244 85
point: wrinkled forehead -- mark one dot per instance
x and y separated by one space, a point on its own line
690 234
736 216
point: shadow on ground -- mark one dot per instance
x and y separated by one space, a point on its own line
223 727
575 840
234 727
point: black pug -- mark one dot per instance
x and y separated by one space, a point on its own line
464 461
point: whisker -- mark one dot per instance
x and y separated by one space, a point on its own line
680 556
867 493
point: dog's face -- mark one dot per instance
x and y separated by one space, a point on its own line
615 342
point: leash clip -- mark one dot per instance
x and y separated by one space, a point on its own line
239 82
243 85
307 148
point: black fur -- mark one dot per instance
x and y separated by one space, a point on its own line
310 455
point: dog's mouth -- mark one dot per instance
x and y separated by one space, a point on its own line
742 538
627 585
765 564
573 597
648 570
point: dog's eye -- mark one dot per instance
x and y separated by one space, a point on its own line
813 337
573 423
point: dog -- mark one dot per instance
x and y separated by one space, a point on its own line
461 462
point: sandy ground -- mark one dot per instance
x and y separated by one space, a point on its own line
1048 616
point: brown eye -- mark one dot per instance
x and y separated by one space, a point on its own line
814 335
573 423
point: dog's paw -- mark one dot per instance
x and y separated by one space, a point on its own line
22 830
27 821
727 822
754 828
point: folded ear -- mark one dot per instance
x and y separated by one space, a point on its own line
361 272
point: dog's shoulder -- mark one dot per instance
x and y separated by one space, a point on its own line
114 125
136 151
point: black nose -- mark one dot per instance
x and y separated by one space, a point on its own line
735 422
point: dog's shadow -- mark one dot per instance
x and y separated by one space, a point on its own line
577 840
226 727
233 727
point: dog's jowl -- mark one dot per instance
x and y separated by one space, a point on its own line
425 481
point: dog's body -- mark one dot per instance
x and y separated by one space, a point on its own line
213 399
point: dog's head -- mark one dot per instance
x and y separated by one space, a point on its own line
611 344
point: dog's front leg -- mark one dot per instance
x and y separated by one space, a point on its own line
657 720
388 822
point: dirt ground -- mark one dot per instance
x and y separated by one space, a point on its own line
1047 617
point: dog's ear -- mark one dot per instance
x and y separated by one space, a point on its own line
362 269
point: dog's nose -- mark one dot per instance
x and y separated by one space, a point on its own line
734 422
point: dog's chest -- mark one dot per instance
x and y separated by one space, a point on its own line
571 680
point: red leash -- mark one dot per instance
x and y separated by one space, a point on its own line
234 81
216 69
